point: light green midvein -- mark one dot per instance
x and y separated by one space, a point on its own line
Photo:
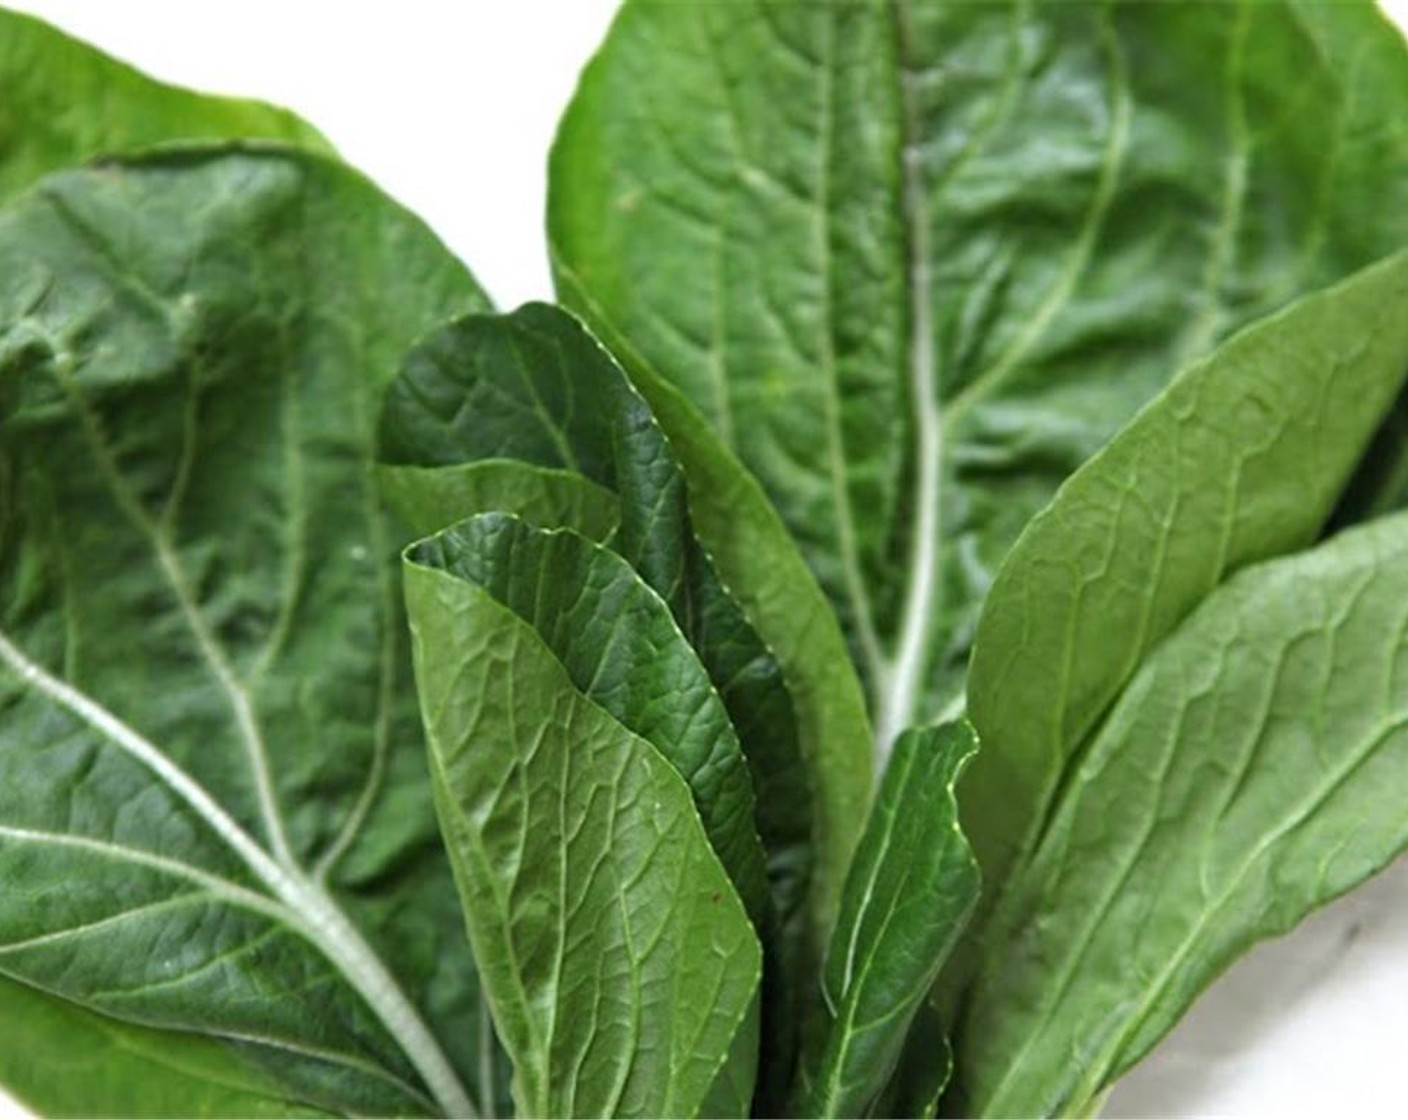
899 684
313 914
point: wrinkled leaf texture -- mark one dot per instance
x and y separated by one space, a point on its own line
915 262
214 813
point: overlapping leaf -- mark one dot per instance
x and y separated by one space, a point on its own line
1167 742
526 413
565 713
916 262
911 888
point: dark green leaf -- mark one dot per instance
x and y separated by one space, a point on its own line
915 262
63 1060
214 810
531 397
911 888
620 964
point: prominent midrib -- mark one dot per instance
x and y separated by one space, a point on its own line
312 912
900 682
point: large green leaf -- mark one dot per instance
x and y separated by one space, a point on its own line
1242 459
66 1061
911 888
620 964
1253 769
915 262
214 811
63 103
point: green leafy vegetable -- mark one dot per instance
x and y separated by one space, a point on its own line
60 1059
525 397
910 890
200 625
618 959
913 272
1109 758
915 262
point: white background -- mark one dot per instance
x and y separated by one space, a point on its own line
451 106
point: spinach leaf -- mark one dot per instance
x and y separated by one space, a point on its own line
1083 655
66 103
620 964
910 890
916 262
214 811
530 414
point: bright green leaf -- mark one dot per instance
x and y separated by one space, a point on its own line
1241 459
63 103
911 888
61 1059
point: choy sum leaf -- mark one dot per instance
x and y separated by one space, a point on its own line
621 966
527 414
63 1060
214 812
915 262
1188 742
910 891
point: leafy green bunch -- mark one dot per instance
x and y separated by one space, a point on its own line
929 599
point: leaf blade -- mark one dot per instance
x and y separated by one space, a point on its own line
912 885
1230 850
605 809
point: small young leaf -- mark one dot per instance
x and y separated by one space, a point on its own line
619 961
910 891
